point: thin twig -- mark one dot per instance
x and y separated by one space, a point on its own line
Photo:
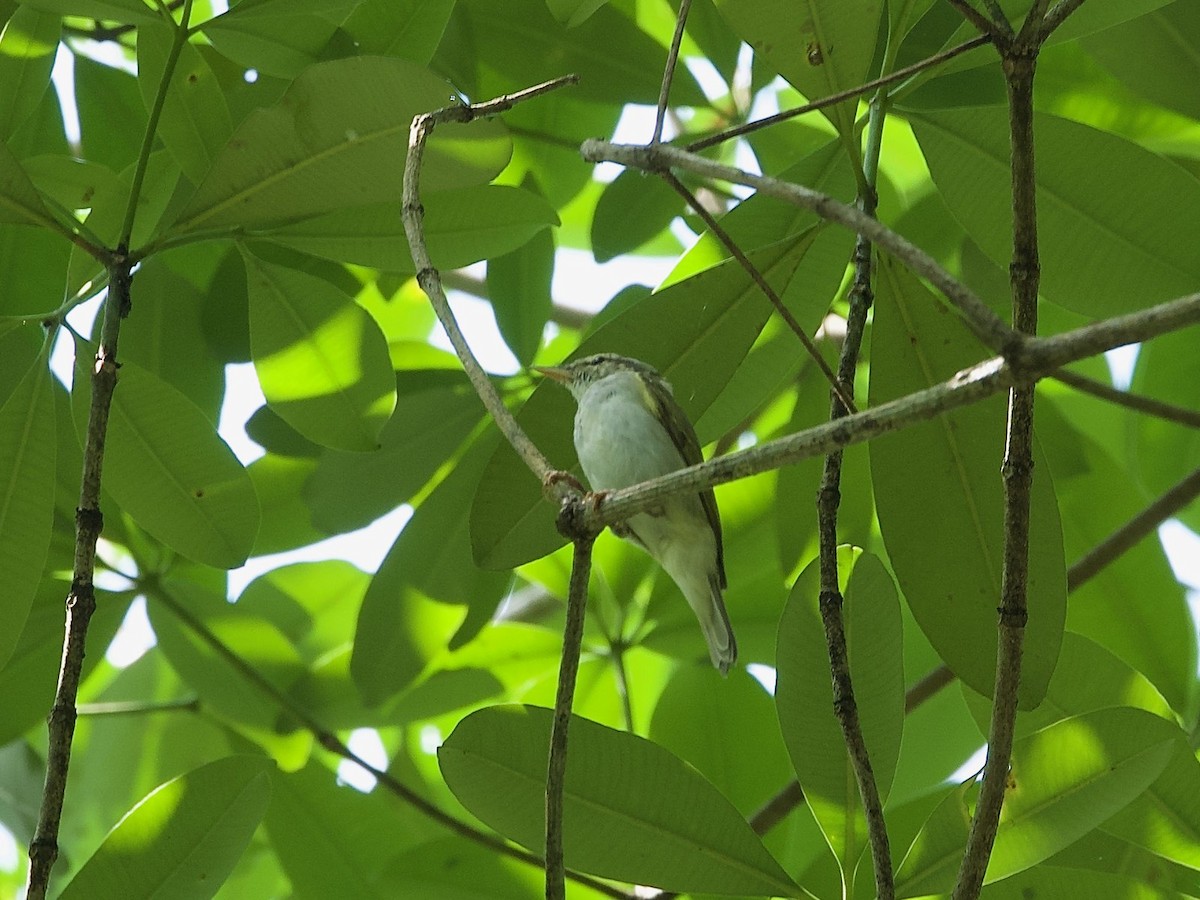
664 94
139 707
556 769
998 16
331 742
984 323
430 280
1148 405
1140 526
1057 15
978 19
1032 26
833 99
756 276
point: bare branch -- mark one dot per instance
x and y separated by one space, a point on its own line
756 276
980 21
664 94
984 323
1057 15
1132 532
581 567
892 78
1148 405
430 280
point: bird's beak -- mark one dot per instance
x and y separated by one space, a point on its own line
557 373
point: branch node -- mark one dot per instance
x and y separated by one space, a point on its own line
574 517
1013 616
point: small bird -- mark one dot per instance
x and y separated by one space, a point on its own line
629 428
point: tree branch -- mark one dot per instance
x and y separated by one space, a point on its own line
1148 405
1128 535
984 323
430 280
833 99
664 94
979 20
756 276
556 769
1057 15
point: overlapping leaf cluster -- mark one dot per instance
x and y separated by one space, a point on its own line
267 230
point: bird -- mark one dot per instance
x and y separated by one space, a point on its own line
630 428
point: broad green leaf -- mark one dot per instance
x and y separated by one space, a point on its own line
459 869
820 46
112 118
338 139
633 811
1163 453
462 226
633 209
519 43
166 466
1135 606
435 412
519 285
696 332
20 202
940 498
804 694
321 360
27 486
573 12
1112 217
410 29
131 11
27 46
184 838
699 716
257 641
286 519
1064 883
1169 36
1065 780
278 37
195 120
404 621
331 839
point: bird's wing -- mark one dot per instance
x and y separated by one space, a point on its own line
683 436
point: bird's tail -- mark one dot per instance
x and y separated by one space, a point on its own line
714 622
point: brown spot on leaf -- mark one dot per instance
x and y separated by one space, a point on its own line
816 57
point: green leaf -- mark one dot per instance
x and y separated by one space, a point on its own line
20 202
1113 226
462 227
940 498
1066 780
166 466
632 210
435 412
1063 883
696 332
332 840
410 29
633 811
195 120
131 11
27 487
184 838
321 360
1169 36
277 37
820 46
112 118
27 47
519 285
338 139
257 641
404 622
700 715
804 694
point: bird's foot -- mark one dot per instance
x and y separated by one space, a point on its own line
561 476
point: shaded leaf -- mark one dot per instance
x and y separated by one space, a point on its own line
519 285
184 838
632 812
27 47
